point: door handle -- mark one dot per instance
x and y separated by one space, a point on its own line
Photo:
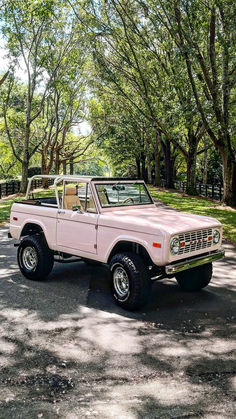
61 212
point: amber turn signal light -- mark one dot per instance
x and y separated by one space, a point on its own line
156 244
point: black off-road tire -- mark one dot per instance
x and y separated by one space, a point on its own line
45 259
196 278
139 280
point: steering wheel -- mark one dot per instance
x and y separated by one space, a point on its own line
128 199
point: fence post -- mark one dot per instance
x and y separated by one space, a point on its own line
206 192
213 191
6 188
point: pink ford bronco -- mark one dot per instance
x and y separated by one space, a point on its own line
115 222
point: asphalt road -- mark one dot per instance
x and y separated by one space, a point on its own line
67 351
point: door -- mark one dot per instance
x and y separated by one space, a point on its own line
77 219
77 231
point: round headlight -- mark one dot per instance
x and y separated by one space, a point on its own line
174 246
216 236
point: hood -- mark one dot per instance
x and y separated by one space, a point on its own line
152 219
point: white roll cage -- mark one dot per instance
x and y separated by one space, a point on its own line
57 179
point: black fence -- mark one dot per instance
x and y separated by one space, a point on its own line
9 188
13 186
208 191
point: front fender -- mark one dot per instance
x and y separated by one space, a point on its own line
146 242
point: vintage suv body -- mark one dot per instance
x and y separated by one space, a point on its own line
115 222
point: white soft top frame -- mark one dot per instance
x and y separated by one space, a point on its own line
77 178
57 179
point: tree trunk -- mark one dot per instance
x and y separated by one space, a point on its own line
143 167
191 170
25 160
24 178
64 167
229 178
157 159
191 175
149 171
57 162
43 164
44 170
138 167
205 166
71 166
191 159
168 164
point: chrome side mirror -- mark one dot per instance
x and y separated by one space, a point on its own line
77 208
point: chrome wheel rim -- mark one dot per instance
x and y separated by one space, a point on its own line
121 282
29 258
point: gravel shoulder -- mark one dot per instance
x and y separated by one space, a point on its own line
67 351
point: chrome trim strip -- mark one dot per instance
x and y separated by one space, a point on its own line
188 264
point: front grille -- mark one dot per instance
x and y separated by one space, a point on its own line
195 240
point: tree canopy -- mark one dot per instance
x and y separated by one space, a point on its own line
155 79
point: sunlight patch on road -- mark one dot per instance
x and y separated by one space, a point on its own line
5 272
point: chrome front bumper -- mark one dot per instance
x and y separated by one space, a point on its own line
192 263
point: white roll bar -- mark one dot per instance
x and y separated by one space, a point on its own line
38 177
57 179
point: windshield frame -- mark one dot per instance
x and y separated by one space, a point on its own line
126 182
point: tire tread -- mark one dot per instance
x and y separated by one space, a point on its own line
139 278
45 256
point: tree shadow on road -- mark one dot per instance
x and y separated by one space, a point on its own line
67 349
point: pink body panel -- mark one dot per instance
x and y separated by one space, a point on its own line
148 224
94 235
45 217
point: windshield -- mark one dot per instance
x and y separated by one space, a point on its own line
119 194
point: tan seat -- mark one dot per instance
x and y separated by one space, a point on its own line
91 205
102 195
70 198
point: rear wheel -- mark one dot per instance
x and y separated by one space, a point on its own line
35 259
196 278
131 284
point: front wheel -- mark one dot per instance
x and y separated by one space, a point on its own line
35 259
195 279
131 284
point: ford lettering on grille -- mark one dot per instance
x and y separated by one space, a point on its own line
195 240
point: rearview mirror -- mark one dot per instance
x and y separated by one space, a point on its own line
118 188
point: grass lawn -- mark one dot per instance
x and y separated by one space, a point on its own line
201 206
5 204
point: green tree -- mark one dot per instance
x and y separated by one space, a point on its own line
139 64
204 36
30 28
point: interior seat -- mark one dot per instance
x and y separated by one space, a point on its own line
102 195
91 205
71 198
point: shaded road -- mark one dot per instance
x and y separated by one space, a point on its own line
67 351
